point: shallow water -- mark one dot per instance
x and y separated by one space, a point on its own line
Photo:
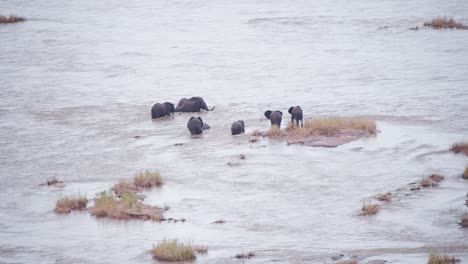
79 80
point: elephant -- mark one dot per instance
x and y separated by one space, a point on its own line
275 117
237 127
296 114
194 104
195 125
160 110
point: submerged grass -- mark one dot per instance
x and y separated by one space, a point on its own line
444 22
67 204
147 179
173 251
384 197
435 258
245 255
431 181
460 147
464 220
370 209
11 19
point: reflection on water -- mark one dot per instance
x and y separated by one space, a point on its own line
79 80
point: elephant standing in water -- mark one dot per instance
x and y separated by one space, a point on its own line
160 110
275 117
194 104
296 114
237 127
195 125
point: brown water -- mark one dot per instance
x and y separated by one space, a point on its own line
79 78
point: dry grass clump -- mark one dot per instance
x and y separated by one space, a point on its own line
53 181
173 251
370 209
67 204
201 249
465 173
441 259
348 262
124 186
464 220
253 139
444 22
147 179
245 255
274 132
330 126
431 181
384 197
127 207
11 19
257 133
220 221
460 147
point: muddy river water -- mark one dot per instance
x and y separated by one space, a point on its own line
78 80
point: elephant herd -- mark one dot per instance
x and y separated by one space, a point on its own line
196 126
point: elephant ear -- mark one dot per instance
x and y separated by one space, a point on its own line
267 114
201 120
290 109
280 112
191 118
242 122
170 107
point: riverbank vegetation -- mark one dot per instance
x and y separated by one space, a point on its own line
11 19
66 204
444 22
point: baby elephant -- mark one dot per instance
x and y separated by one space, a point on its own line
160 110
275 117
195 125
296 114
237 127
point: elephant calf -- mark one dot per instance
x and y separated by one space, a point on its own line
195 125
296 114
160 110
237 127
275 117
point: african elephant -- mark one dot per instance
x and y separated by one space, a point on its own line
195 125
160 110
296 114
194 104
275 117
237 127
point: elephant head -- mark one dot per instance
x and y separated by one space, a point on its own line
160 110
275 117
195 125
237 127
296 114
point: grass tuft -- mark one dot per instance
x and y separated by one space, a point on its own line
147 179
441 259
370 209
330 126
127 207
67 204
220 221
348 262
444 22
124 186
460 147
11 19
431 181
384 197
245 255
173 251
465 173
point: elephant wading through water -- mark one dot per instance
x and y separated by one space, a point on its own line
237 127
195 125
194 104
160 110
275 117
296 114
